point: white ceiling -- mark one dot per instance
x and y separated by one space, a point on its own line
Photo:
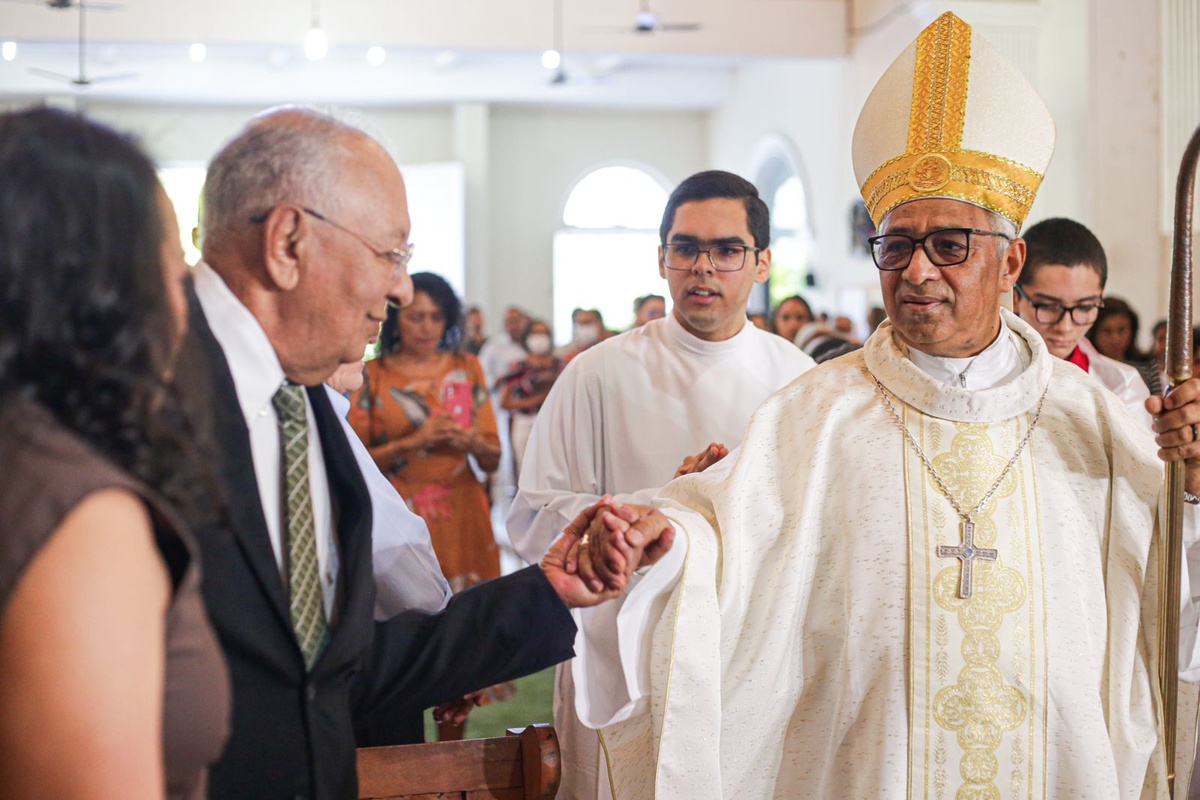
438 51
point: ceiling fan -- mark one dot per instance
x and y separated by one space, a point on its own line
94 6
552 59
81 78
648 22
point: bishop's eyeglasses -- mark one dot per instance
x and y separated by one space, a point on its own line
1052 313
945 247
725 257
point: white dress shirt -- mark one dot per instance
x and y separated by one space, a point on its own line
407 573
257 376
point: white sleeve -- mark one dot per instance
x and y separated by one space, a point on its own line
407 573
1135 394
563 471
611 668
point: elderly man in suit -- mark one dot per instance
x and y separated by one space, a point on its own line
305 242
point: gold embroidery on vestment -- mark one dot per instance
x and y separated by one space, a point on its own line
980 706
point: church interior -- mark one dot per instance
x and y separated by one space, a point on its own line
540 139
768 89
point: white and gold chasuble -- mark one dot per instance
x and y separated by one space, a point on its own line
815 645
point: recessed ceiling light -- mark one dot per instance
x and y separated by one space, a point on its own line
197 52
376 56
8 50
316 44
551 59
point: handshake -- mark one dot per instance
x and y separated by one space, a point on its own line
593 558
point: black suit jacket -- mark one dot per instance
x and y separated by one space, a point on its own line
292 733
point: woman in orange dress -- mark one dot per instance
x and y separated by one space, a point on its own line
421 411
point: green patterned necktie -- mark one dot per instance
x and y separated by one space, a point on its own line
304 573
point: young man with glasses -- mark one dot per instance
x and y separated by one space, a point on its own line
628 410
1061 291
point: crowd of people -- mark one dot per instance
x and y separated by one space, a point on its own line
770 560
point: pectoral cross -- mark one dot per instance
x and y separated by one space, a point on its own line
967 552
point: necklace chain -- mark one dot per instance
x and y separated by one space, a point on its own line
962 376
966 515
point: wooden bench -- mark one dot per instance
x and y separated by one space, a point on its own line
520 766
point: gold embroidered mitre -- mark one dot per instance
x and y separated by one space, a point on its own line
952 117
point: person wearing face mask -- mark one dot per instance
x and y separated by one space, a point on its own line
587 328
525 388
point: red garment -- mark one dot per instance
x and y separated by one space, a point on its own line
1079 359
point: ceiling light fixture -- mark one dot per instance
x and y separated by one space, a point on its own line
8 50
376 56
552 58
316 43
197 52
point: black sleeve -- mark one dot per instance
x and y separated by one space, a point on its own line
493 632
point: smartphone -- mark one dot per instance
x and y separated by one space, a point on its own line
458 399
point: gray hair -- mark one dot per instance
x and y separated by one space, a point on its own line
1004 225
285 155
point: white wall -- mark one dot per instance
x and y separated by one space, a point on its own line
194 133
1123 197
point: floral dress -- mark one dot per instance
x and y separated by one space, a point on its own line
438 485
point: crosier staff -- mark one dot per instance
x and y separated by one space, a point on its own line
1179 369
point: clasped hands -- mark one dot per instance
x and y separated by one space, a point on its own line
442 431
594 557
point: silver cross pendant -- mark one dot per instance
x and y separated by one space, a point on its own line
967 552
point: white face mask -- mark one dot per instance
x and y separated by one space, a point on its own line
587 333
538 343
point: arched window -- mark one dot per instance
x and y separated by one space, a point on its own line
781 187
605 255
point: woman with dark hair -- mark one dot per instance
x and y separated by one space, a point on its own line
422 411
792 314
1114 334
111 680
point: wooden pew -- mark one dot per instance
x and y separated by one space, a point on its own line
523 765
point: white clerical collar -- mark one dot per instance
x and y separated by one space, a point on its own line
998 363
679 335
257 373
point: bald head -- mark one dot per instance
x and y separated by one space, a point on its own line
283 155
